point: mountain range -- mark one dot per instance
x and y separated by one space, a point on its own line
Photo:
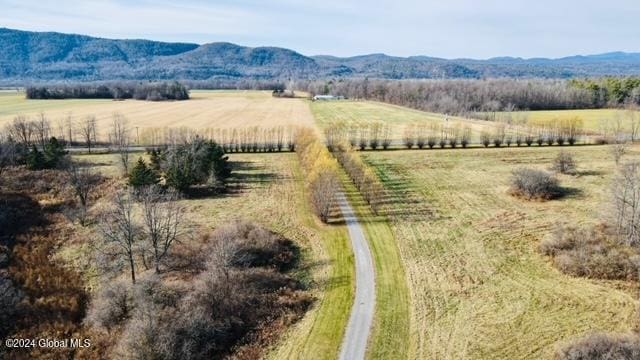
48 56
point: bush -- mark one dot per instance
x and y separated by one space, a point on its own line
240 290
112 306
564 164
595 253
602 346
10 299
534 184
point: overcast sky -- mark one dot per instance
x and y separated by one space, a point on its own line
443 28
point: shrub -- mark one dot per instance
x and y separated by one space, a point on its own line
564 163
111 306
595 253
10 299
534 184
239 291
602 346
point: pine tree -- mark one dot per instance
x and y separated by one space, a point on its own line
142 175
53 152
155 158
35 159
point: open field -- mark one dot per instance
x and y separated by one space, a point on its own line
478 286
205 109
593 119
269 189
352 113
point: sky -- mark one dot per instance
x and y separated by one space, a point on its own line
443 28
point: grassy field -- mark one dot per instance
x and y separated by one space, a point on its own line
592 118
350 113
269 189
206 109
478 286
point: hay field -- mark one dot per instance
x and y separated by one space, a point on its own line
350 113
478 286
592 118
205 109
269 189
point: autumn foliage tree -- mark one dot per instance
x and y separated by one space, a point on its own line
321 170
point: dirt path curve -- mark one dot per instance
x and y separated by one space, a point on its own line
354 346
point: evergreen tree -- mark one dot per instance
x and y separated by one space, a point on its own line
54 152
142 175
155 157
35 159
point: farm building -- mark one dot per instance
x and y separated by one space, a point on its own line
327 97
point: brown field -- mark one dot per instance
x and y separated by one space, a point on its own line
206 109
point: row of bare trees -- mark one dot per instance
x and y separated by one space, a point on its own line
375 135
37 131
361 175
250 139
321 172
452 134
434 134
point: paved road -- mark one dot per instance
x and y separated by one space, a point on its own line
354 346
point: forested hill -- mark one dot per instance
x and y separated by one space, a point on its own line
37 56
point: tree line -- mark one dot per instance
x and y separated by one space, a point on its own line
468 96
150 91
321 172
249 139
364 179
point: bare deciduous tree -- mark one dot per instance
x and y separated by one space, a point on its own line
618 150
21 130
8 153
70 127
119 228
42 129
626 203
88 131
83 183
121 140
323 189
164 221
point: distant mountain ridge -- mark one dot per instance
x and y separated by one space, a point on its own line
50 56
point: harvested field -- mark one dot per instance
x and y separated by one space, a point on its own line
206 109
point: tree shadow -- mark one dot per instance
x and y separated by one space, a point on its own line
590 173
565 192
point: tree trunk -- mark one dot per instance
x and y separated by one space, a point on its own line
133 269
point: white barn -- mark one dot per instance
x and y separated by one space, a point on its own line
327 97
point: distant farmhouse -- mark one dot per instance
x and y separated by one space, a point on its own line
327 98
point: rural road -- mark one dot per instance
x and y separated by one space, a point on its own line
354 345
